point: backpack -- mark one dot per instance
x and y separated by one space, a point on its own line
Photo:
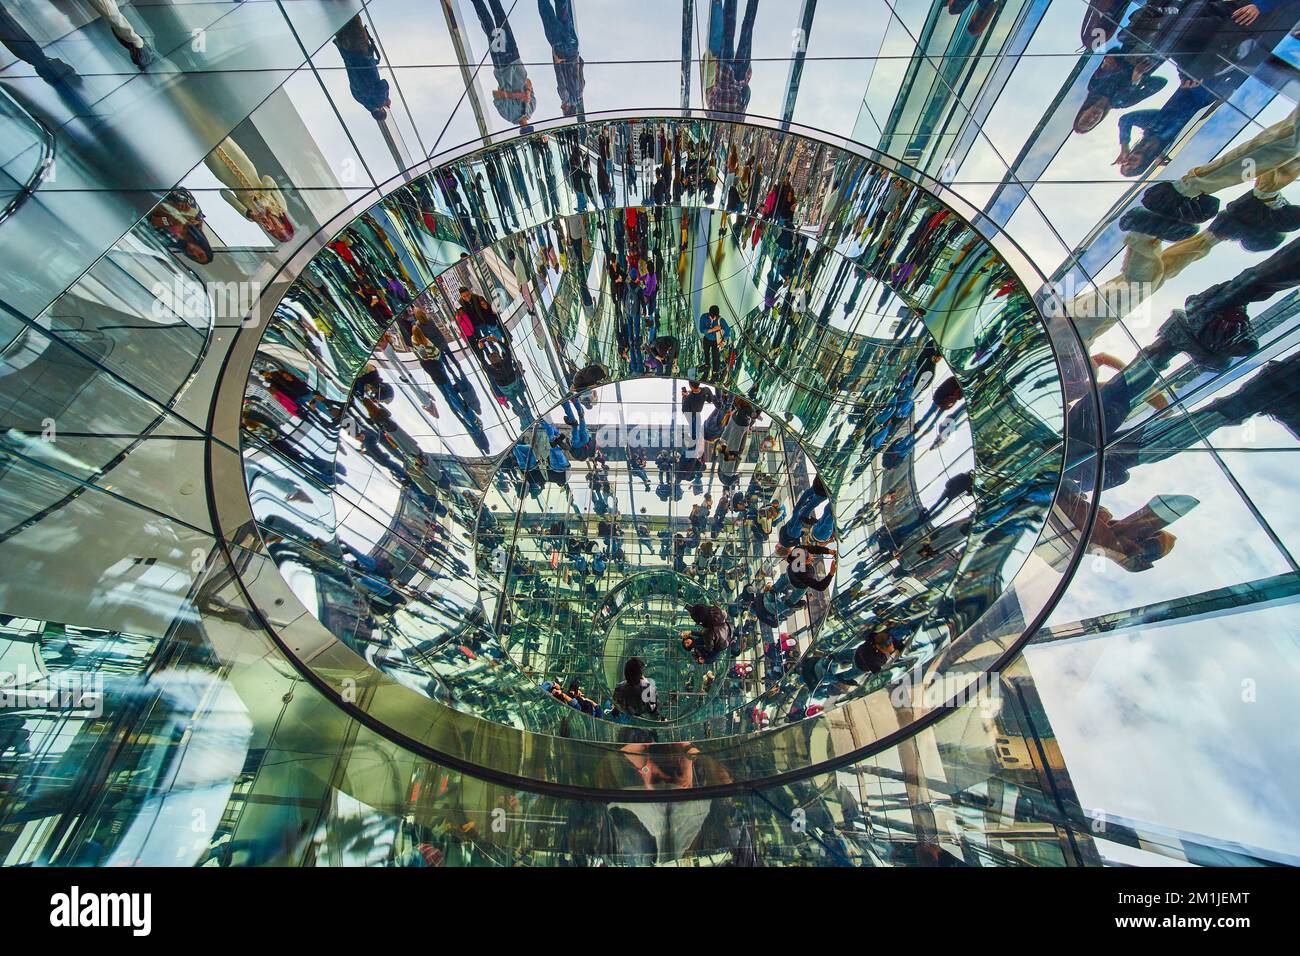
466 326
870 658
707 615
427 353
589 377
718 638
637 700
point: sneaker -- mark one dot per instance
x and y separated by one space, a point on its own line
1168 201
1156 225
141 56
1258 226
54 70
1183 331
1224 331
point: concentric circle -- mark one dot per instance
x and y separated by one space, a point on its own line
943 549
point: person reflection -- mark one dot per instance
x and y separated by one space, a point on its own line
177 221
506 377
20 43
728 92
513 97
361 60
1172 213
637 694
557 22
984 14
255 196
635 832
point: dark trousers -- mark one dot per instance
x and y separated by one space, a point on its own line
712 357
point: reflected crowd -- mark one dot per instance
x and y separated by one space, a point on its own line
638 447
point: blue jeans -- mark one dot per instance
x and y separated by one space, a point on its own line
932 414
804 508
492 20
784 596
514 395
557 23
722 34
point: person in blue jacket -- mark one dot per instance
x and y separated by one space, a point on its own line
805 509
715 333
534 478
558 466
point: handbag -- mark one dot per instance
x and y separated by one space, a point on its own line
466 326
287 403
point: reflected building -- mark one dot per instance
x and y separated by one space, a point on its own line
785 439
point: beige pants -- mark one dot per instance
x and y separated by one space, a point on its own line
122 28
1269 157
1147 266
1272 157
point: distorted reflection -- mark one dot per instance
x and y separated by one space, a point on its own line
605 454
463 465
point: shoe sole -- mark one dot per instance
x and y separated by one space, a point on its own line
1157 225
1167 215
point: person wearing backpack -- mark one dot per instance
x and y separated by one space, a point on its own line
694 397
798 578
713 636
874 653
823 528
636 694
945 397
504 375
714 335
636 466
527 461
589 377
713 425
661 355
740 418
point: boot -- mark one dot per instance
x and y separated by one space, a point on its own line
1157 225
1153 517
1164 199
1258 226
